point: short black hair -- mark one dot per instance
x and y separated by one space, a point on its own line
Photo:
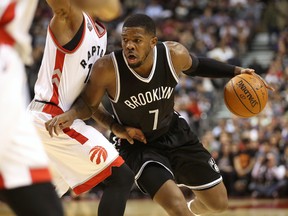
141 20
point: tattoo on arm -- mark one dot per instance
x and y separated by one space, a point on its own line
103 117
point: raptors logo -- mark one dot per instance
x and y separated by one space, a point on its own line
98 155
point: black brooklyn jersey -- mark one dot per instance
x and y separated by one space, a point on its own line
145 103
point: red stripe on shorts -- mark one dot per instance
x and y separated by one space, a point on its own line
1 182
54 111
40 175
89 184
75 135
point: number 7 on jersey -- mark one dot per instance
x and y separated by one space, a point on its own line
156 115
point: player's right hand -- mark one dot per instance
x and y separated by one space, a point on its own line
58 123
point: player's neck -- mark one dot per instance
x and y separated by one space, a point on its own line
146 68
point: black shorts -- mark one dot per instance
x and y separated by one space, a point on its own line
180 152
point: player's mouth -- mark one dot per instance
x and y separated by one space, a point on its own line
131 58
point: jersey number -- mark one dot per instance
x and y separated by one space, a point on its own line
89 72
156 115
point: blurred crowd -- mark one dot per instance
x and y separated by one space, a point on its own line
252 153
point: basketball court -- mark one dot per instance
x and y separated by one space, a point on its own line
145 207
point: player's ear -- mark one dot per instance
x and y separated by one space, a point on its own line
153 41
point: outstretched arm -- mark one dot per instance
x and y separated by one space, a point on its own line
191 65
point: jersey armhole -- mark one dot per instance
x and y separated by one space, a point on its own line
117 75
170 63
61 48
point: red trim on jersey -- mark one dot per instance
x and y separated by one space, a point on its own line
5 38
40 175
59 62
61 48
1 182
8 16
75 135
99 177
96 29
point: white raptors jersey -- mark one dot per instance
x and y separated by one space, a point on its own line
63 73
15 19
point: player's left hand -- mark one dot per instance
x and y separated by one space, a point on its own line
58 123
128 133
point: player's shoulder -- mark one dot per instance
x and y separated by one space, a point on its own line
104 64
175 48
179 55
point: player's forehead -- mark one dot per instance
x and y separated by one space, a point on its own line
135 32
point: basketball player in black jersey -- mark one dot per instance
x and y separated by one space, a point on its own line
140 81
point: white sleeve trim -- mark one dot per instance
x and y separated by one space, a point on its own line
172 69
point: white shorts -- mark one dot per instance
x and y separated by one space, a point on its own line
22 157
81 155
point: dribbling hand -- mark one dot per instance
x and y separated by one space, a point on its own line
252 72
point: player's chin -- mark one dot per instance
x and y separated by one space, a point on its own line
134 65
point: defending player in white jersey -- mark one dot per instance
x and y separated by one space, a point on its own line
25 181
81 155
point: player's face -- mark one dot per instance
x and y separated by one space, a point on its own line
137 45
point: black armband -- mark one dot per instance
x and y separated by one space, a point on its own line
207 67
193 68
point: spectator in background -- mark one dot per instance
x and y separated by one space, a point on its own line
267 177
244 161
225 162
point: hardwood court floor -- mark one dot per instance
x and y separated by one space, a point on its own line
145 207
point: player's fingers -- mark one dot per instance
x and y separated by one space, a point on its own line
50 130
129 139
139 138
264 82
136 134
47 125
55 130
52 126
64 125
140 135
247 71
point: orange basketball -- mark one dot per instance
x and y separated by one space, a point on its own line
245 95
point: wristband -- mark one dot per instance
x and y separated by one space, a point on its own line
208 67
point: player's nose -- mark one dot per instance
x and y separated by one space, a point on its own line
130 45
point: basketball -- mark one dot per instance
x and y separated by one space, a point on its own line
245 95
